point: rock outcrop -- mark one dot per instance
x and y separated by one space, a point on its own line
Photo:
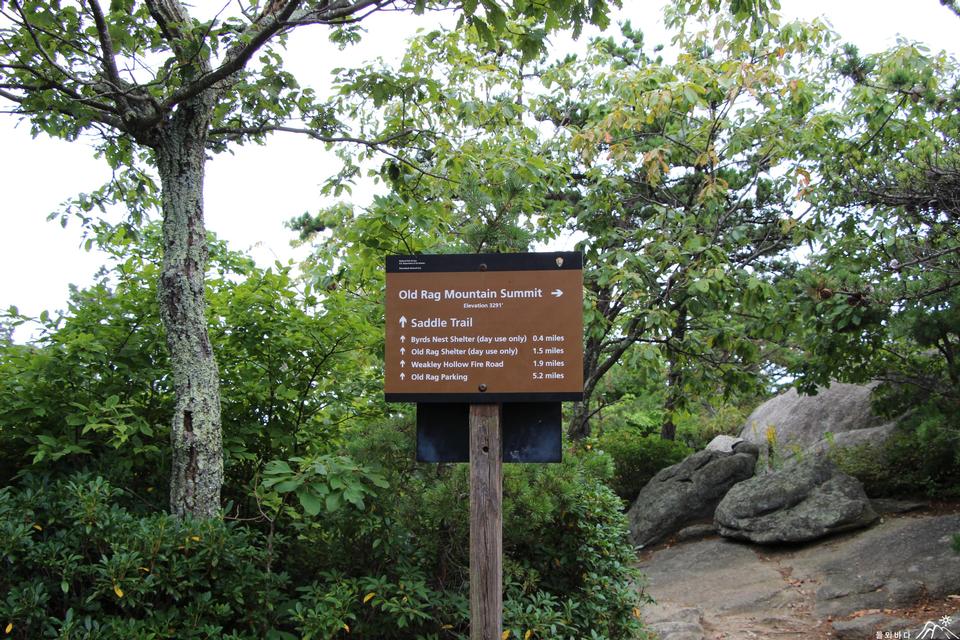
670 624
890 566
686 492
723 443
804 501
872 576
802 423
717 575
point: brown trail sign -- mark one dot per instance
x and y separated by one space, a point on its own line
485 329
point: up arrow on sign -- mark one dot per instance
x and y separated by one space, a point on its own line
403 321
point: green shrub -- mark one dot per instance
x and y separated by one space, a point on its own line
637 458
921 458
699 427
92 392
77 565
568 565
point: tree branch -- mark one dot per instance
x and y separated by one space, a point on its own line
930 292
237 132
377 145
265 27
12 97
952 5
169 16
108 55
105 111
883 125
249 42
334 12
40 48
102 112
53 35
922 259
634 329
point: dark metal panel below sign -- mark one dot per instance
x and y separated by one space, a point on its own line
532 432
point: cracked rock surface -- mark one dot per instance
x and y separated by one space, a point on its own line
891 577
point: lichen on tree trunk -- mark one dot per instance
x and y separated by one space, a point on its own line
197 449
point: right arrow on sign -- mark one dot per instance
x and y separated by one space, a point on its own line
556 293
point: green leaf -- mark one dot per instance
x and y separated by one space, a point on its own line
283 486
277 467
333 502
700 286
311 503
496 17
483 31
354 495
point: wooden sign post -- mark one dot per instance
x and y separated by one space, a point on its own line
484 329
486 523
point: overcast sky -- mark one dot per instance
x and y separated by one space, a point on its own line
250 195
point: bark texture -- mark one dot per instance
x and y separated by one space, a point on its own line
668 430
197 450
578 427
486 522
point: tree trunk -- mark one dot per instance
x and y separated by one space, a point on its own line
668 430
197 458
578 427
675 400
594 369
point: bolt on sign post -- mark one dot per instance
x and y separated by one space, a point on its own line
484 329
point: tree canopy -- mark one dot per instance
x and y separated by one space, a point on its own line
161 85
678 179
882 291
